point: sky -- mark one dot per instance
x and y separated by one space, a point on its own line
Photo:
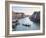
27 10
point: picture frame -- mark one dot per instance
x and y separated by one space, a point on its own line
8 21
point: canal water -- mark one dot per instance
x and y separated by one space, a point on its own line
26 21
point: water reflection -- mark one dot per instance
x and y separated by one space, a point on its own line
26 24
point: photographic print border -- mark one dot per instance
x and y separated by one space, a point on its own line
7 19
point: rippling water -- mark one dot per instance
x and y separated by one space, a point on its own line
21 27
